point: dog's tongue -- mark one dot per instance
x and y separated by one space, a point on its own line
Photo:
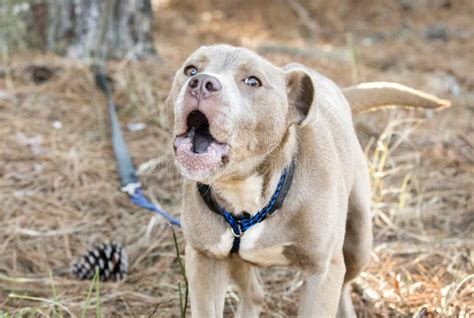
201 143
198 154
201 140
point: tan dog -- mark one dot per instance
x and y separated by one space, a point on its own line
239 122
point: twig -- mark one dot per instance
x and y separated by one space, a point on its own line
154 310
30 232
458 287
183 304
89 293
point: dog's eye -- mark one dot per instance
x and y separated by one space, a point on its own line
190 70
252 81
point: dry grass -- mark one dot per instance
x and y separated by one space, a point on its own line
60 195
59 188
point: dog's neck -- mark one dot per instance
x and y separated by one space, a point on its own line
241 195
252 192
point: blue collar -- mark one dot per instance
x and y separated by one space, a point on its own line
239 224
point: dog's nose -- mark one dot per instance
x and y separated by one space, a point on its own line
203 85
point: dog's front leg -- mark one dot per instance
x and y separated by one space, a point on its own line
208 279
251 292
322 290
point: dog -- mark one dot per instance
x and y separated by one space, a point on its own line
274 175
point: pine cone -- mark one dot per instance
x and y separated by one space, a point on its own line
109 259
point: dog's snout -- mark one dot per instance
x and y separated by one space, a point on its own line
203 85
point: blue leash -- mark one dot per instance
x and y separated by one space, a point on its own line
126 169
139 199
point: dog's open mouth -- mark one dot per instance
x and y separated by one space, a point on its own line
198 131
197 151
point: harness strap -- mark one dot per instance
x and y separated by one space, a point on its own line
239 224
235 246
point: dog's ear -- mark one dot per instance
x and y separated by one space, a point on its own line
301 96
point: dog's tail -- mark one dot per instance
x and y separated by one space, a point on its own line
375 95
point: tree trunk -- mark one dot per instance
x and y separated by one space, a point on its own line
100 28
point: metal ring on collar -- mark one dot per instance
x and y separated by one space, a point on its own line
234 234
273 213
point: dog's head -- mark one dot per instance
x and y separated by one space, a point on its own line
231 109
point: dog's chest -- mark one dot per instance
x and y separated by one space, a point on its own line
251 248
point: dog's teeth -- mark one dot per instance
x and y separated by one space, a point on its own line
192 132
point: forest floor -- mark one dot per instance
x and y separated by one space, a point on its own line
59 187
